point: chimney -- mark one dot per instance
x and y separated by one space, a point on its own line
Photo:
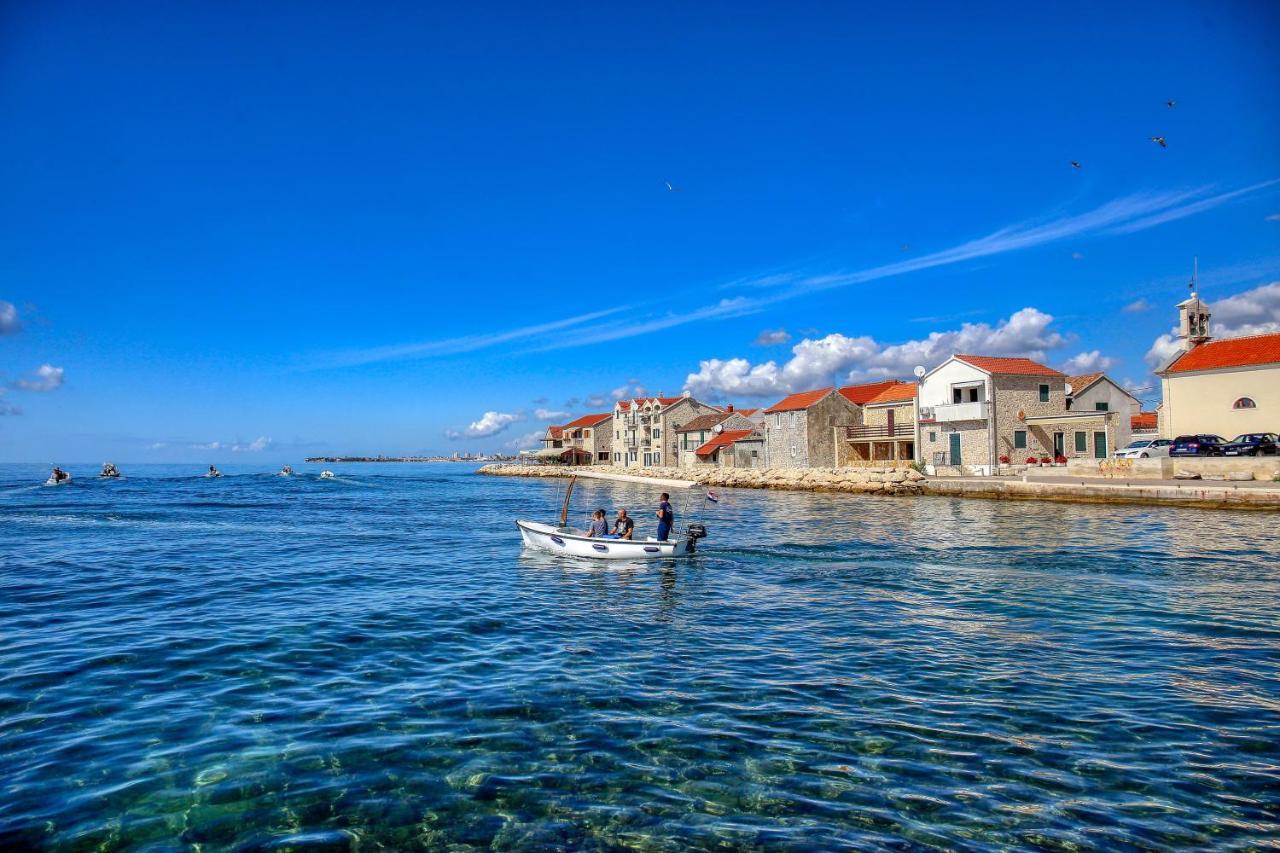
730 409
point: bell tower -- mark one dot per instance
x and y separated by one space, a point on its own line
1193 316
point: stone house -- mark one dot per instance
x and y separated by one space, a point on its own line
644 429
886 431
553 438
1227 387
700 430
975 409
719 450
799 430
1098 392
591 433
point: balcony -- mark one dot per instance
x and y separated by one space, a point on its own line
881 431
955 412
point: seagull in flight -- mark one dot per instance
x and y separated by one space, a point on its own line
1075 164
670 188
1159 140
1170 104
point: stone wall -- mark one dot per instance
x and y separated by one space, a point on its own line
780 439
832 411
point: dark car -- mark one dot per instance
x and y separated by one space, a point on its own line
1197 445
1252 444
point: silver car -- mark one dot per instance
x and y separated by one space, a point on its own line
1145 448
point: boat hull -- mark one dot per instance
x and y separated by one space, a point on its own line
573 542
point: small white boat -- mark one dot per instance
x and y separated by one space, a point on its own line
563 539
109 471
54 481
327 475
286 471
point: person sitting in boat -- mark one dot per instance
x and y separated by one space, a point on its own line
623 527
58 474
666 517
599 526
213 472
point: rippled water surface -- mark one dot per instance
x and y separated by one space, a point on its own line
373 662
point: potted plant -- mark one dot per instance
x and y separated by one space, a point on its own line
1060 460
1045 460
1031 460
1004 460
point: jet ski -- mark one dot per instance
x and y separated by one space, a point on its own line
327 475
58 478
213 472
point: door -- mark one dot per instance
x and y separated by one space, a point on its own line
648 459
1099 445
955 448
1059 444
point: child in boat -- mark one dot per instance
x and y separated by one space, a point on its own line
599 527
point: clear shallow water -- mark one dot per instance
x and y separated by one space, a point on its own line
373 662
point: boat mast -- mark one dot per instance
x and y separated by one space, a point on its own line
564 510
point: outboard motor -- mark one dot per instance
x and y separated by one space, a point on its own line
696 532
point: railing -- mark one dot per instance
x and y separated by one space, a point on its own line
957 412
855 433
942 458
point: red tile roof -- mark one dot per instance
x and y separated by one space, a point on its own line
746 413
1008 366
588 420
801 400
725 438
1232 352
706 421
1143 420
899 392
859 395
556 432
624 405
1079 383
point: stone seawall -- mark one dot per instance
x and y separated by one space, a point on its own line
907 481
881 481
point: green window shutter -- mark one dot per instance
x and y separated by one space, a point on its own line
1019 439
1082 442
1101 407
1044 393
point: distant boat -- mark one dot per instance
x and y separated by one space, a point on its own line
286 471
563 539
327 475
109 471
58 478
213 472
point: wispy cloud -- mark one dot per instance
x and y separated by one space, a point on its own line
9 322
453 346
44 378
1181 211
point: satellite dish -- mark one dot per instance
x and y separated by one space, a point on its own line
919 371
1068 389
718 428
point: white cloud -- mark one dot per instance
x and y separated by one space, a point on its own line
1087 362
490 423
1275 217
212 445
527 441
1137 388
773 337
1077 256
1253 312
9 322
46 377
259 444
598 401
549 415
1137 306
626 391
837 358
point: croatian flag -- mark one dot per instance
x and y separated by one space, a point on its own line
713 497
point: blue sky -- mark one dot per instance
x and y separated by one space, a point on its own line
236 232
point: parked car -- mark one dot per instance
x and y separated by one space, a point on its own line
1252 444
1145 448
1197 445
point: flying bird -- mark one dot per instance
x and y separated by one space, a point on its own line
1159 140
1075 164
670 188
1170 104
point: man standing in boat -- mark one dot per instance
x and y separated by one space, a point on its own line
666 517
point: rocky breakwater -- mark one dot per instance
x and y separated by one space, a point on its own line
891 480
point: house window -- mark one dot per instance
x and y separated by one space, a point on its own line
1082 442
657 433
617 457
1019 439
1044 392
777 419
1244 403
657 457
586 433
793 451
793 418
1100 407
755 454
933 436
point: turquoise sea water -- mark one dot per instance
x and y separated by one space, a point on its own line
260 662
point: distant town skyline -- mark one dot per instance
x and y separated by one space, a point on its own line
264 235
